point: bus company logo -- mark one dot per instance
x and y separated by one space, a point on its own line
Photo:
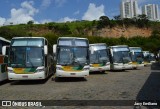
6 103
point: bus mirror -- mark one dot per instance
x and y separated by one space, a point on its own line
133 52
45 50
54 48
111 52
91 50
4 50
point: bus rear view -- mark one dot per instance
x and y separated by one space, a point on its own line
72 57
120 57
99 58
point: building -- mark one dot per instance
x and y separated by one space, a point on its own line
129 8
152 12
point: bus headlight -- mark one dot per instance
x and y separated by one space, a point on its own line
39 70
108 63
10 71
59 68
86 68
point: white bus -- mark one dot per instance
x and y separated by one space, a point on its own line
99 58
3 59
146 55
29 59
152 58
120 57
72 57
137 57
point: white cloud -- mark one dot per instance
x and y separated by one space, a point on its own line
46 21
23 14
76 13
93 12
46 3
60 3
65 19
2 21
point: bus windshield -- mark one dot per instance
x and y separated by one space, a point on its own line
152 57
99 56
26 57
121 56
146 57
72 55
138 56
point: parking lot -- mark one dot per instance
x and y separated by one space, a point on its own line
139 84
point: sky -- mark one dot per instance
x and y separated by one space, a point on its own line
43 11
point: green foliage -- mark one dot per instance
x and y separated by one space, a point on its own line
53 30
30 22
9 32
103 22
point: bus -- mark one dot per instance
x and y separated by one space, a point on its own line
99 58
72 57
152 58
137 57
3 59
146 55
120 57
29 59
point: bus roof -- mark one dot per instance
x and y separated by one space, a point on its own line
98 44
119 46
71 38
27 37
145 51
3 39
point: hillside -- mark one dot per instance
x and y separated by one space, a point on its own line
111 32
117 32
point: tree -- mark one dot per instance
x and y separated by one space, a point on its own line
118 17
103 22
30 22
142 21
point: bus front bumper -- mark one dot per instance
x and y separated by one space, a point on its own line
99 69
35 76
128 66
136 65
117 67
61 73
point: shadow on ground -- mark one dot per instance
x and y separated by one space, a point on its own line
69 79
98 73
121 71
4 82
151 89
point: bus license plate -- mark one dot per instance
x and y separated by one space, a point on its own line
73 73
25 76
100 69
